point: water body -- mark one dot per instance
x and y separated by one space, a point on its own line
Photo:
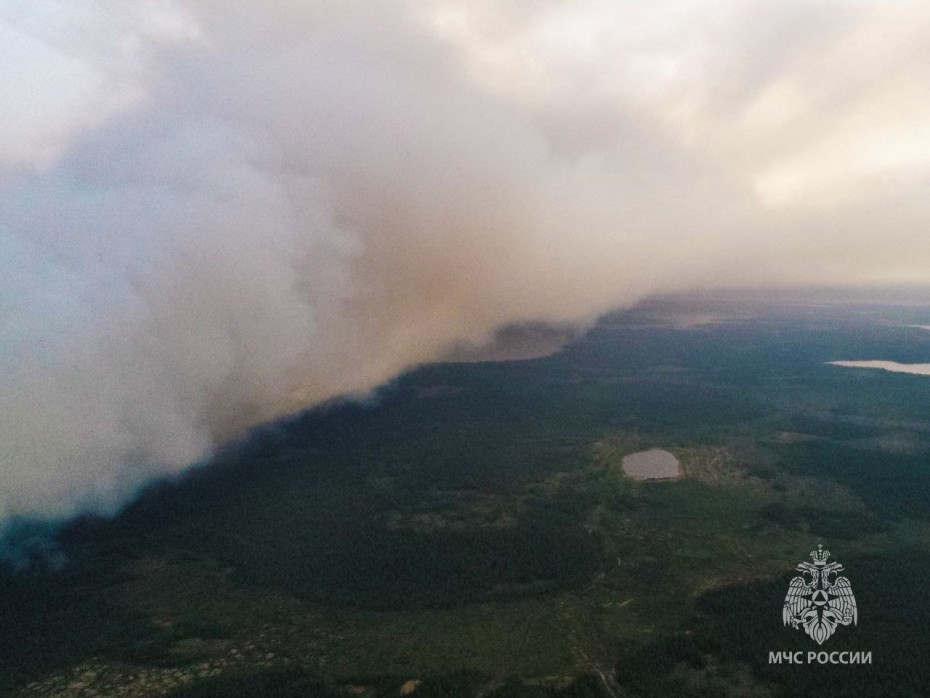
893 366
654 464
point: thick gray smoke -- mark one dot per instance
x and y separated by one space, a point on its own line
215 213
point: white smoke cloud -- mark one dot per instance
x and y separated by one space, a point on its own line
212 214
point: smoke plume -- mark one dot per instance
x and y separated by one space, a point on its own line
212 214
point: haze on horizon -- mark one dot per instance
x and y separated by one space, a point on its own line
214 214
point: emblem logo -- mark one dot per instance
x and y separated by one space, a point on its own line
819 605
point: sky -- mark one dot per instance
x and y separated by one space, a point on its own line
215 214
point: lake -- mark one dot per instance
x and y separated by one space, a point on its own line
654 464
893 366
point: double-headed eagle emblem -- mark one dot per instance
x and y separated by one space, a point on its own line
819 605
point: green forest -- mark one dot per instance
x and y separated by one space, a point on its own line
469 530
